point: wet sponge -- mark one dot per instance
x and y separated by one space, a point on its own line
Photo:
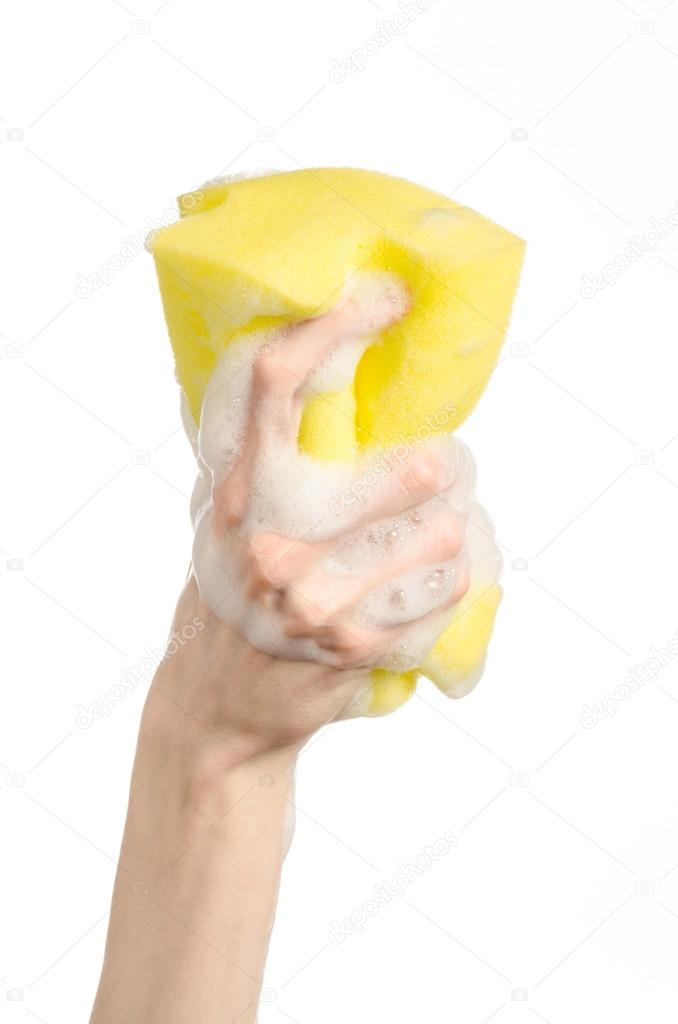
260 251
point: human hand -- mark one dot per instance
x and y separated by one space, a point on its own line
336 593
211 800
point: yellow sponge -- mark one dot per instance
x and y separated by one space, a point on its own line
262 251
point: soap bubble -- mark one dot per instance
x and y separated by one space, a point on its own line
302 501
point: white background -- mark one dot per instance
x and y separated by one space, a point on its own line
559 902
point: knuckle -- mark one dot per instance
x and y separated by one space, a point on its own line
448 543
264 571
446 549
424 476
356 657
228 507
327 638
270 375
354 651
299 613
263 560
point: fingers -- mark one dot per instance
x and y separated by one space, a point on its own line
303 584
390 547
275 407
362 562
352 644
418 599
318 588
355 645
359 616
279 374
423 475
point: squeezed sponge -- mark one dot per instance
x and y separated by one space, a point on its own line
260 252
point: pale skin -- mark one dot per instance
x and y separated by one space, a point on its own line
209 817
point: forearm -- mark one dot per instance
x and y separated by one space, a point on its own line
210 798
198 878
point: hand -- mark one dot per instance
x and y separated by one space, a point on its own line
317 588
211 800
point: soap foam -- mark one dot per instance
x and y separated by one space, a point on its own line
290 496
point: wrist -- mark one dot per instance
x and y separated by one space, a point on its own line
190 791
182 744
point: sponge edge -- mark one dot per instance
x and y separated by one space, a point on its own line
245 256
457 660
389 691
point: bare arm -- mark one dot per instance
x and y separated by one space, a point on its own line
208 824
209 812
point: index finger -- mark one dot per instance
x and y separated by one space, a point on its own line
282 369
